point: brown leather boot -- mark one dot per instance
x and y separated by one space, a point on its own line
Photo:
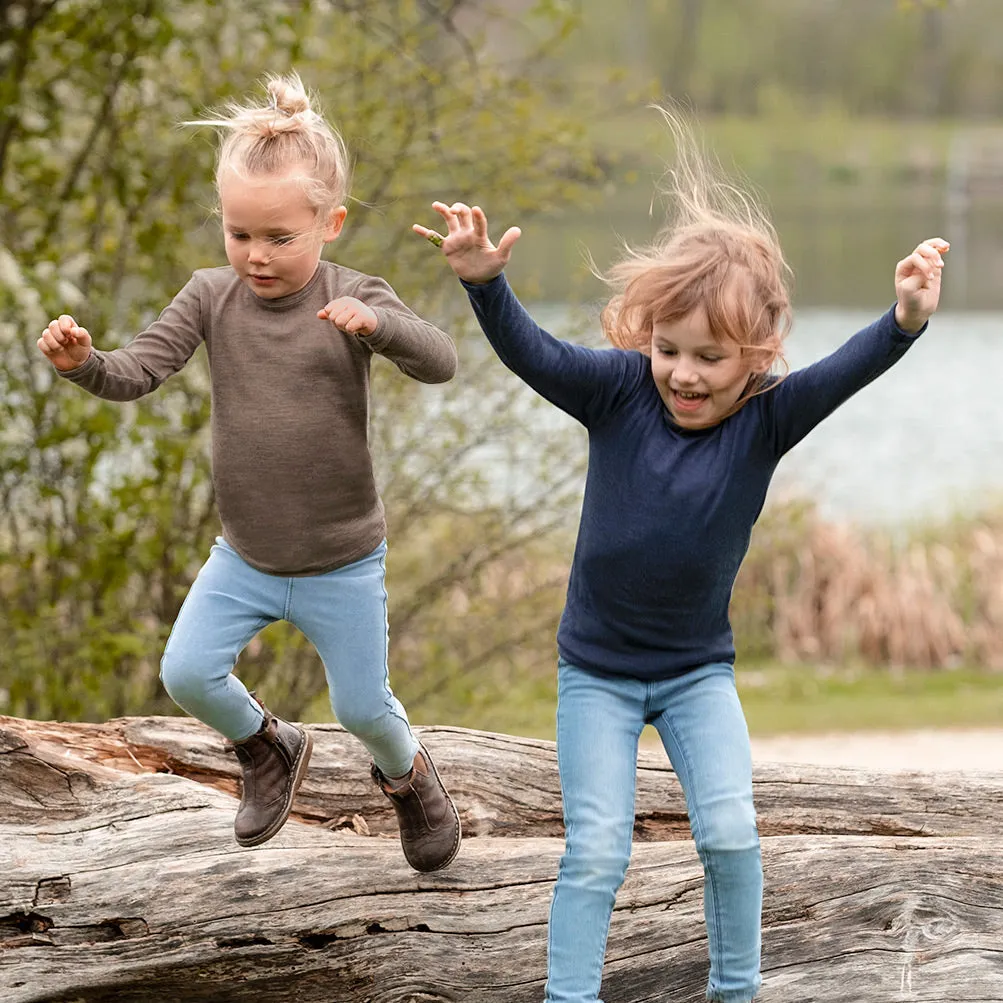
273 761
428 820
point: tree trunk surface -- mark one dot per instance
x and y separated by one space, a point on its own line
120 879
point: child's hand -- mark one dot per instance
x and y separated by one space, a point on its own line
64 344
350 315
917 284
466 246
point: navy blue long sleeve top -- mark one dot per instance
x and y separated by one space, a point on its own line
667 513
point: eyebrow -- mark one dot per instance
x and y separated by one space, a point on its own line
710 346
275 231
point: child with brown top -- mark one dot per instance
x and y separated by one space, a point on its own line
289 340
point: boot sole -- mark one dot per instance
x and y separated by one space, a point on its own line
298 773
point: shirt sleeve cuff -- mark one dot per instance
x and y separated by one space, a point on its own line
485 287
82 370
898 330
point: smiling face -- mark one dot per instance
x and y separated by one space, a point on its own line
699 377
273 234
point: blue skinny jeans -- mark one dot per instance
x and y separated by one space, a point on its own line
700 721
342 612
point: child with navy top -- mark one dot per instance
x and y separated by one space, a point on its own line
687 422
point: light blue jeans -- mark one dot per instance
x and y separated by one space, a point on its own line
342 612
703 729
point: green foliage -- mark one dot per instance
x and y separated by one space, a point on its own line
108 509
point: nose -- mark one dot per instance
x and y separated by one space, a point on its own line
258 253
684 371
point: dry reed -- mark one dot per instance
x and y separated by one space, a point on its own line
815 591
810 591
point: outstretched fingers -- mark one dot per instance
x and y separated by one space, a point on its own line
462 215
480 223
509 237
457 217
433 236
466 244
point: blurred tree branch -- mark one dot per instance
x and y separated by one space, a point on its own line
108 509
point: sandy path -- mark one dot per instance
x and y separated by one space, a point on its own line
976 749
931 749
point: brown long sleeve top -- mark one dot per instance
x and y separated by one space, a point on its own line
292 470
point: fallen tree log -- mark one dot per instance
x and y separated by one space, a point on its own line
508 786
120 881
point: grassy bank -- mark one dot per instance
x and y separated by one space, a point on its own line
801 699
778 700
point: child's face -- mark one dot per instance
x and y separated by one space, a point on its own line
698 377
273 235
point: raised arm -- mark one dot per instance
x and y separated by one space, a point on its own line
809 395
584 382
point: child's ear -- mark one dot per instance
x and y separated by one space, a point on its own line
334 223
760 360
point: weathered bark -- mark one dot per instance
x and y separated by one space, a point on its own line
120 881
508 786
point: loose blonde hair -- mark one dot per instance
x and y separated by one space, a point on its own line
266 139
717 250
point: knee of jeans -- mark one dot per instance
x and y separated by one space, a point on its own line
183 675
596 858
595 871
361 724
727 825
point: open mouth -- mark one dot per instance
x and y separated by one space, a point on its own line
687 400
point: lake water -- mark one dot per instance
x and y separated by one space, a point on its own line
924 441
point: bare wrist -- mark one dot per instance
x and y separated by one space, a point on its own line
910 323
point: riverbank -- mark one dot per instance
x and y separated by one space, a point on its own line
926 749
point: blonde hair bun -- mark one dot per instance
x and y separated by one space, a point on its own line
270 138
